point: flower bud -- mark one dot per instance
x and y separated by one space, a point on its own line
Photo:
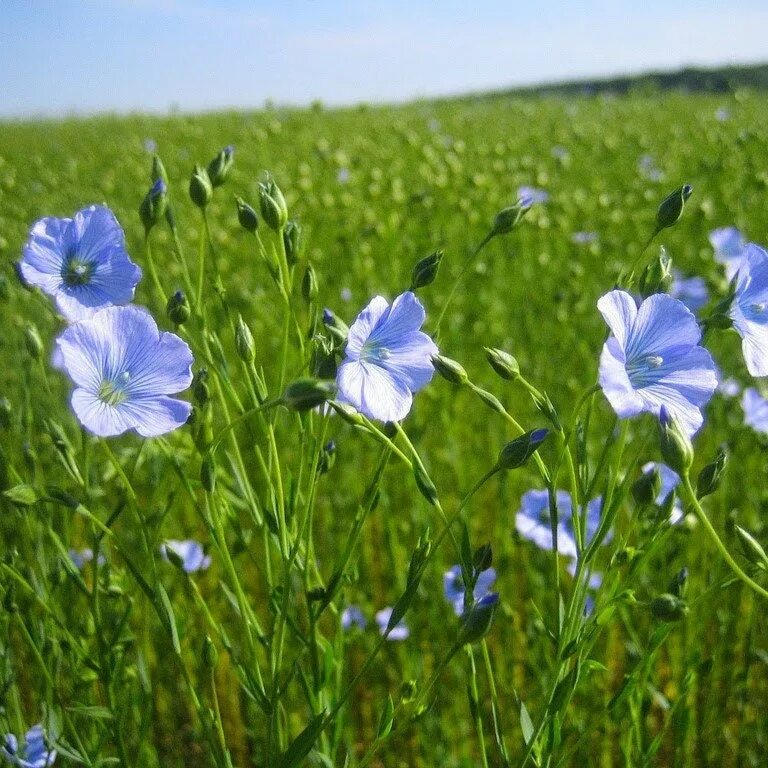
305 394
678 584
246 215
752 548
508 218
668 607
646 488
327 458
292 242
482 559
200 390
657 276
200 187
158 171
208 473
710 476
177 309
450 370
210 654
323 360
309 284
33 342
477 620
676 448
246 348
338 328
503 363
220 166
425 270
515 453
152 208
272 203
671 207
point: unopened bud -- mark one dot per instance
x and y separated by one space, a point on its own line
657 276
477 620
246 215
482 559
710 476
292 242
752 548
425 270
309 284
327 458
678 584
152 208
503 363
676 448
668 607
208 474
33 342
200 187
671 207
647 487
220 166
158 171
515 453
273 206
450 370
200 389
305 394
210 654
246 348
337 327
508 218
177 309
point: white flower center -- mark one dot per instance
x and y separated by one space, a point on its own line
112 391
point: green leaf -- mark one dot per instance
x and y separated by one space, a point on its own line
165 603
385 721
22 495
526 723
301 746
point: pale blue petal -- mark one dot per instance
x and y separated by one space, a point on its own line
484 583
366 321
97 416
411 360
662 323
755 410
619 310
405 317
96 231
615 383
373 391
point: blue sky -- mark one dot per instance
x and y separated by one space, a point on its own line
59 56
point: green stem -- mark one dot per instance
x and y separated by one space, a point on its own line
162 298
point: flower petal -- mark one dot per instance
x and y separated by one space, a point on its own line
406 316
411 361
97 417
155 416
615 383
662 323
373 391
366 321
619 310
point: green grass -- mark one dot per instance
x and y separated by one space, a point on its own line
421 177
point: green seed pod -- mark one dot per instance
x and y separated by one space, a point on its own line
178 309
450 370
292 242
246 215
671 208
305 394
246 348
220 166
309 287
515 453
33 342
425 270
273 206
503 363
200 187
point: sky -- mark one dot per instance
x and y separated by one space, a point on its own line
83 56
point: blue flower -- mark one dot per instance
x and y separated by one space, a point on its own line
124 369
692 291
387 358
81 262
584 238
531 195
755 410
399 632
532 520
749 309
81 557
653 358
728 244
190 553
352 615
33 754
453 586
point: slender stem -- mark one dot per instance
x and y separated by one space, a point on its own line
162 298
704 520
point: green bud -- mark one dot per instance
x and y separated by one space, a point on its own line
646 488
657 276
208 473
668 607
33 342
178 309
246 348
220 166
671 207
482 559
154 204
679 583
752 548
425 270
508 218
711 475
305 394
503 363
246 215
158 171
515 453
200 187
336 326
327 458
676 448
450 370
174 558
292 242
309 284
322 364
200 389
210 654
273 206
424 484
477 620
